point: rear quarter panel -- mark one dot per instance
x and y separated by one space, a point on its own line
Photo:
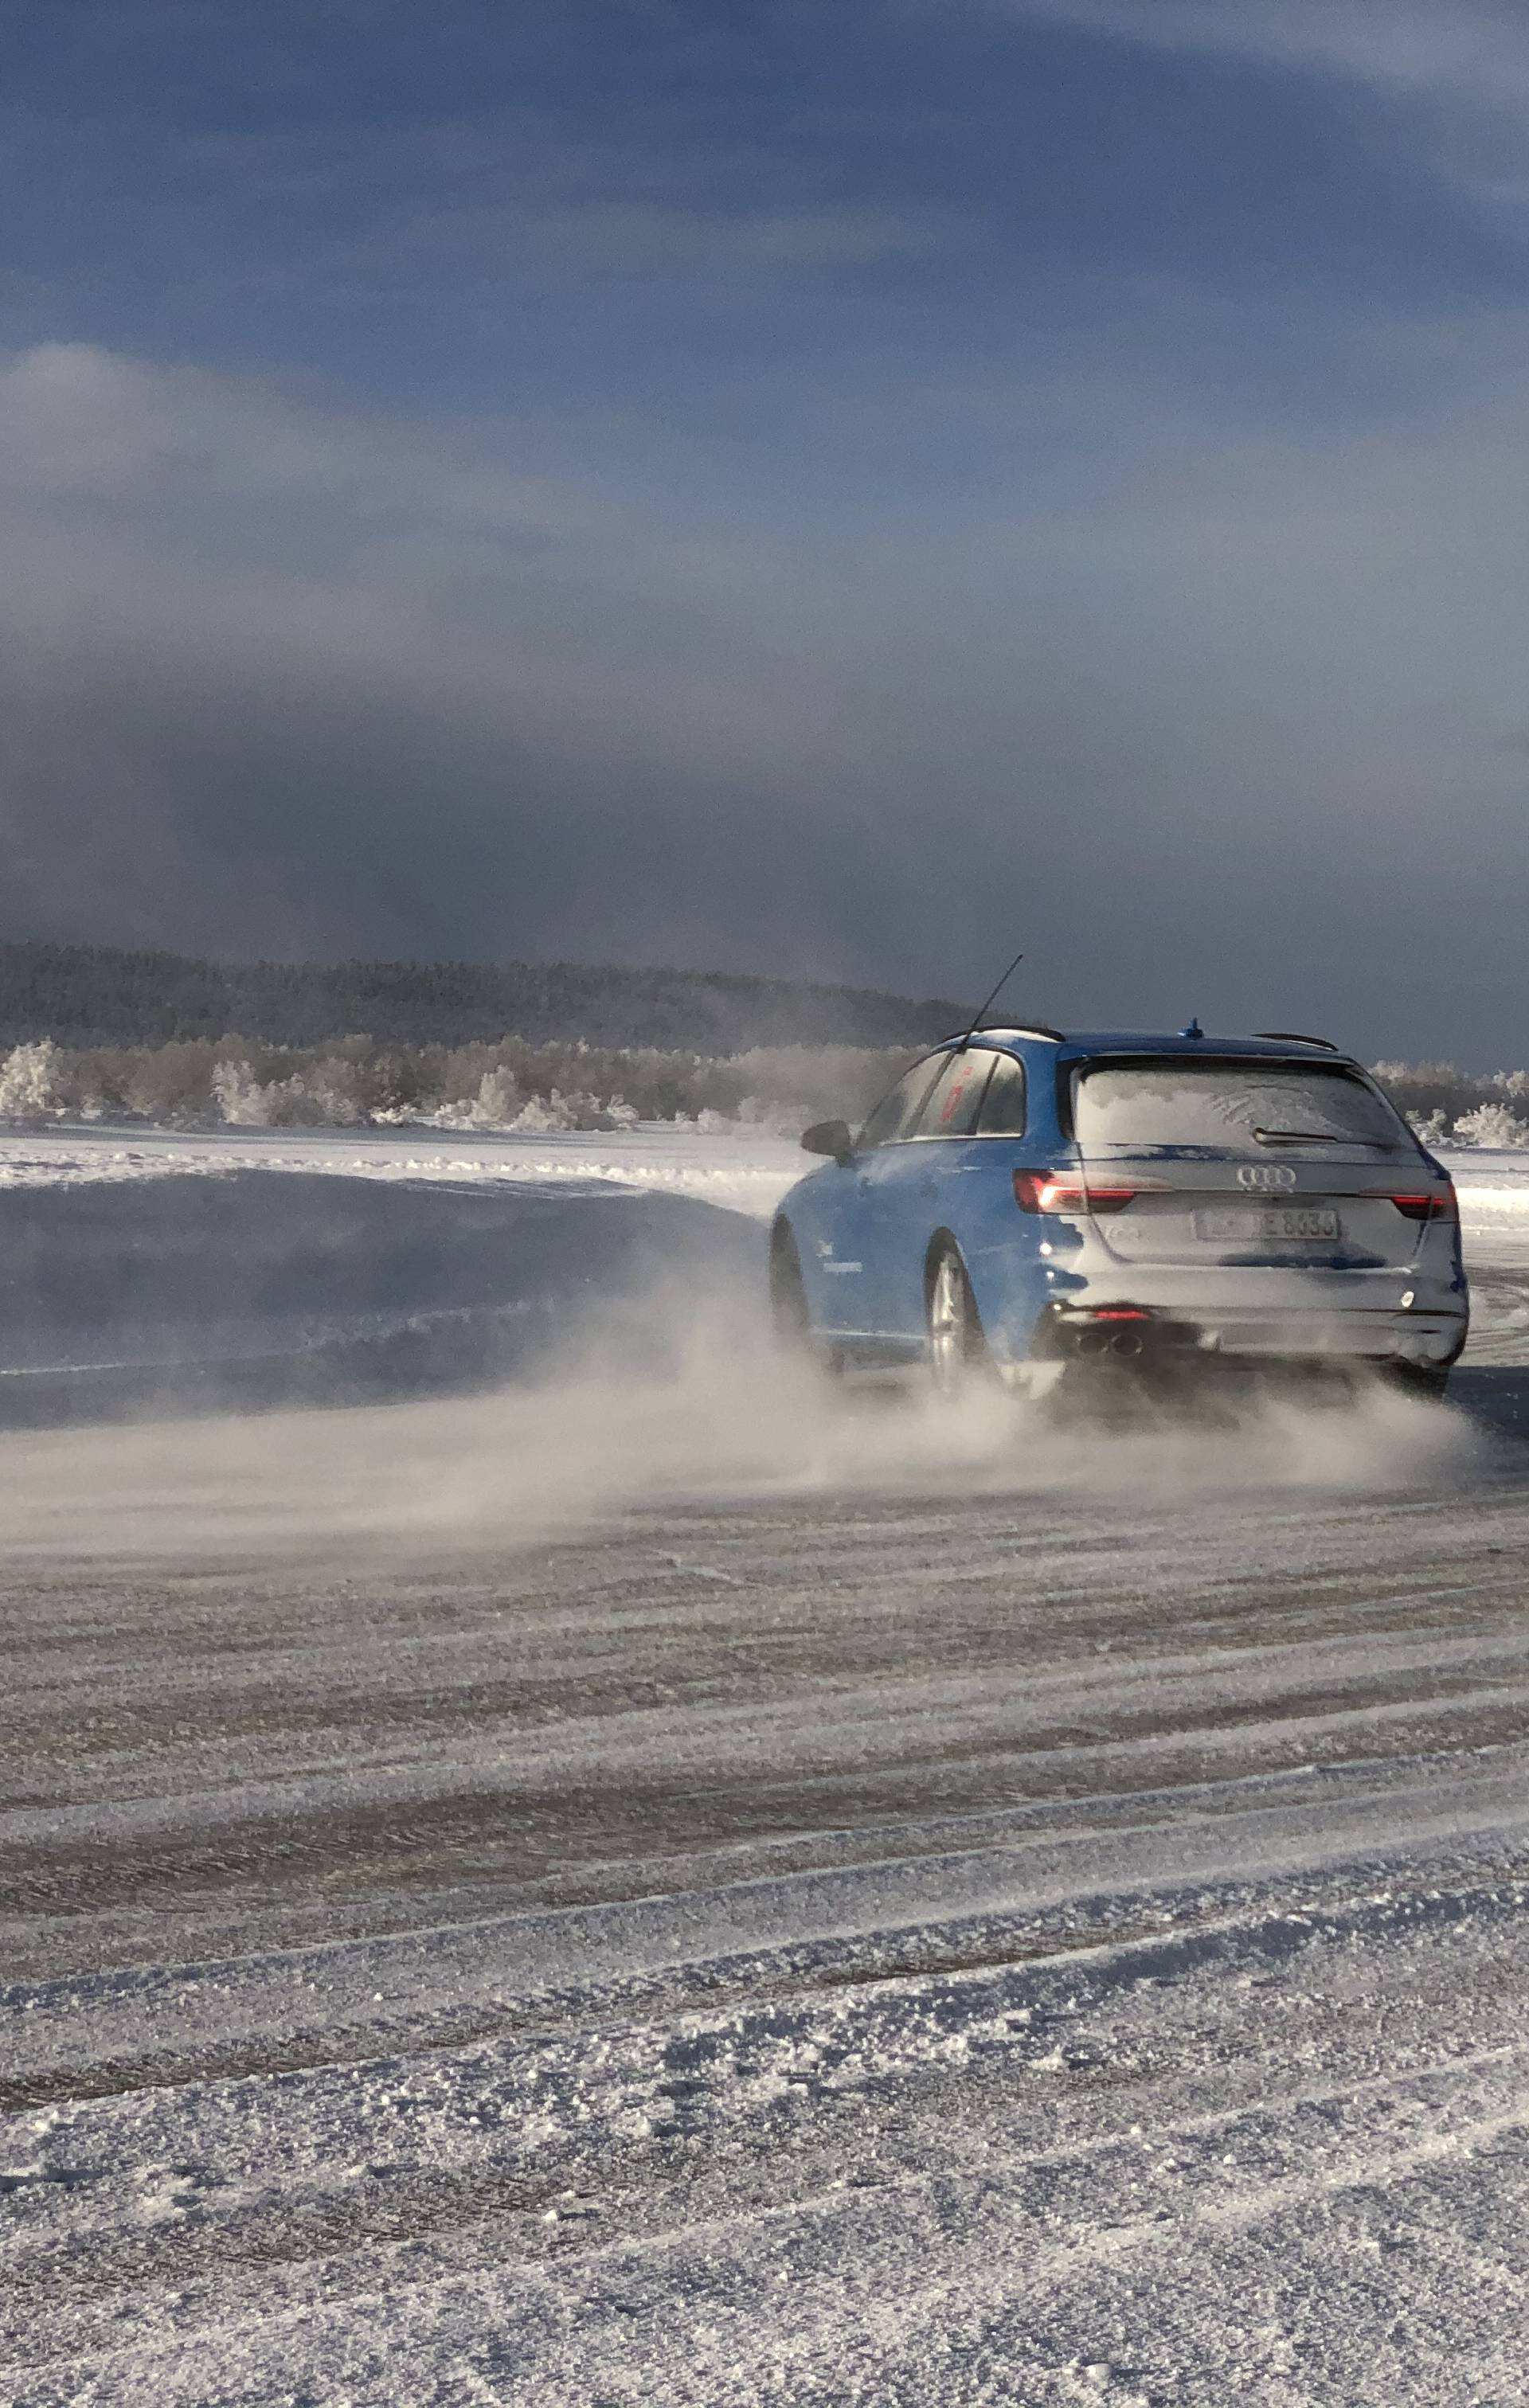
1013 1279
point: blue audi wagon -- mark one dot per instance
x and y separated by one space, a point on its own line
1025 1200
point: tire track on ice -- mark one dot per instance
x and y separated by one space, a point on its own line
763 2111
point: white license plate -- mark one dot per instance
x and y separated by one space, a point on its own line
1278 1224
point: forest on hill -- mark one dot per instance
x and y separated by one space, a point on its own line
99 1034
88 995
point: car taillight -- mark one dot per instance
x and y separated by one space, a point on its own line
1424 1203
1066 1190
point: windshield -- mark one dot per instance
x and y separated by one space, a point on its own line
1229 1106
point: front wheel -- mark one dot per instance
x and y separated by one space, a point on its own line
788 1293
958 1355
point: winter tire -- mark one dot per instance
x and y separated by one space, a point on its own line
958 1353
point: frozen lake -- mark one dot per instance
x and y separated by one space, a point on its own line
650 1882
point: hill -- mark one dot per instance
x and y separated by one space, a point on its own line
99 994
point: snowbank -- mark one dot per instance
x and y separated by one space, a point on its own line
1491 1182
744 1171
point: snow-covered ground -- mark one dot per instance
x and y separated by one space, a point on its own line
351 1250
131 1248
663 1886
744 1170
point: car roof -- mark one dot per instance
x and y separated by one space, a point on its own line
1078 1043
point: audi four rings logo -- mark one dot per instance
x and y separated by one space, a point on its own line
1269 1178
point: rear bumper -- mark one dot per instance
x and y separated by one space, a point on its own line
1095 1328
1416 1313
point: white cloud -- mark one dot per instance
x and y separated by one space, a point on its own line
1471 49
1459 69
596 241
77 419
517 195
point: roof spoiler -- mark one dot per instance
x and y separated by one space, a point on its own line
1009 1028
1294 1037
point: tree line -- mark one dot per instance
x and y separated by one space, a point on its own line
96 996
191 1083
98 1032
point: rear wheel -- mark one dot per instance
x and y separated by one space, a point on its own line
958 1355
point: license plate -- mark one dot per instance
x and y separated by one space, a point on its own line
1278 1224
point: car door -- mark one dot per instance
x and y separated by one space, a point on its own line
913 1187
837 1227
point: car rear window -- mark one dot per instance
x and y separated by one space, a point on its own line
1229 1106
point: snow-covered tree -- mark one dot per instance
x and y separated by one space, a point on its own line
241 1097
499 1097
538 1119
1491 1125
28 1083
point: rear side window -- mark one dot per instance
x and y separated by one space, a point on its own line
1002 1105
1229 1106
895 1114
953 1102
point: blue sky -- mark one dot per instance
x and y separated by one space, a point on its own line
783 487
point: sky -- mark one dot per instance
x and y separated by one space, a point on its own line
835 490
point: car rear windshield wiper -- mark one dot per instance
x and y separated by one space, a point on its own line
1310 1137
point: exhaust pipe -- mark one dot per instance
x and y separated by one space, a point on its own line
1092 1334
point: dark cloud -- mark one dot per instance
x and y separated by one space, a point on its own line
285 677
837 492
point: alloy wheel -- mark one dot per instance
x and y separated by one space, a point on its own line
955 1333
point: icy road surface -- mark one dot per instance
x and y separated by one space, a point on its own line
676 1889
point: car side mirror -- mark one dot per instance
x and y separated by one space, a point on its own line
829 1137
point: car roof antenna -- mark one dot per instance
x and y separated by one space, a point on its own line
986 1005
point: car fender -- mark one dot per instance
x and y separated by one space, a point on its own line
813 1210
1011 1282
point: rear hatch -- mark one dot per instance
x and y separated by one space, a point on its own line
1226 1160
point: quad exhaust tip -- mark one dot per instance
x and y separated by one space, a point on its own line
1109 1341
1126 1333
